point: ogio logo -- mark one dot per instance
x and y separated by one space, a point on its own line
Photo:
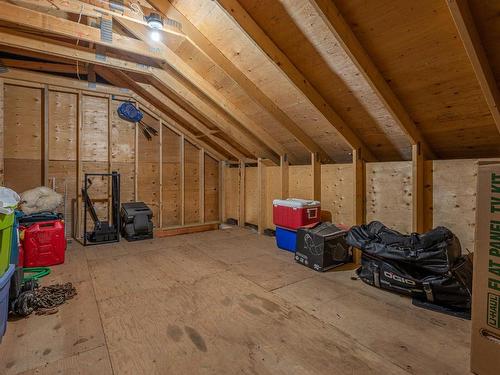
398 278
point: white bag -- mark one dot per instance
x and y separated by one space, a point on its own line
9 200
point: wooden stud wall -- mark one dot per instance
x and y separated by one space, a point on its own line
251 195
191 183
171 187
23 137
389 194
149 169
85 134
336 192
211 189
449 201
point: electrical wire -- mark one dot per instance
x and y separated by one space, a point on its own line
76 45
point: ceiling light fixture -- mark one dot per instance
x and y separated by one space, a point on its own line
154 21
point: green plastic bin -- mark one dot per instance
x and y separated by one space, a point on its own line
6 223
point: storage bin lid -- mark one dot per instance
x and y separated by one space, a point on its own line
296 203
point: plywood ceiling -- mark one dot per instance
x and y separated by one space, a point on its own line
260 78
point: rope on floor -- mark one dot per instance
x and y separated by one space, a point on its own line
42 300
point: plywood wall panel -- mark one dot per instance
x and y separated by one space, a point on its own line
23 119
22 137
273 191
94 129
171 175
454 198
127 182
337 195
149 150
63 120
122 137
251 195
148 174
191 183
148 182
22 174
62 175
211 189
300 182
231 192
389 194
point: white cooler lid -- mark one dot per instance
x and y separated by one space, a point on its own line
296 203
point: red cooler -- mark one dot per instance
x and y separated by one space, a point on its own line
294 213
44 243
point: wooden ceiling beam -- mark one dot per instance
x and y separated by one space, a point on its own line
16 76
188 73
120 79
185 117
199 40
464 22
162 77
343 34
44 66
89 8
250 28
63 27
35 55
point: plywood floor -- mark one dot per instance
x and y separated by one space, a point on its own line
226 302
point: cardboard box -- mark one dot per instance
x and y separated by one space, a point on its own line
485 344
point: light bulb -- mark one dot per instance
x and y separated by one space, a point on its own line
155 35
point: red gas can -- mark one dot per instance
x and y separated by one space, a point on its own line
294 213
44 243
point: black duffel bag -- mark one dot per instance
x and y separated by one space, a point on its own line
434 251
444 290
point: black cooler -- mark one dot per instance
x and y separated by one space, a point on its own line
136 219
322 247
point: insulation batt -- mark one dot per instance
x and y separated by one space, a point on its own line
40 199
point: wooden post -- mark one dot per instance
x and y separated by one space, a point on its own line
417 188
428 195
261 182
241 218
79 167
110 157
45 137
2 133
136 160
284 176
160 134
182 178
316 174
202 186
222 193
359 194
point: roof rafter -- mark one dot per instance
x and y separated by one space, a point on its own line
43 66
188 73
252 90
350 44
249 27
467 31
119 79
43 22
90 9
55 82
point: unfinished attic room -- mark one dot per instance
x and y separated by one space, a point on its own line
250 187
